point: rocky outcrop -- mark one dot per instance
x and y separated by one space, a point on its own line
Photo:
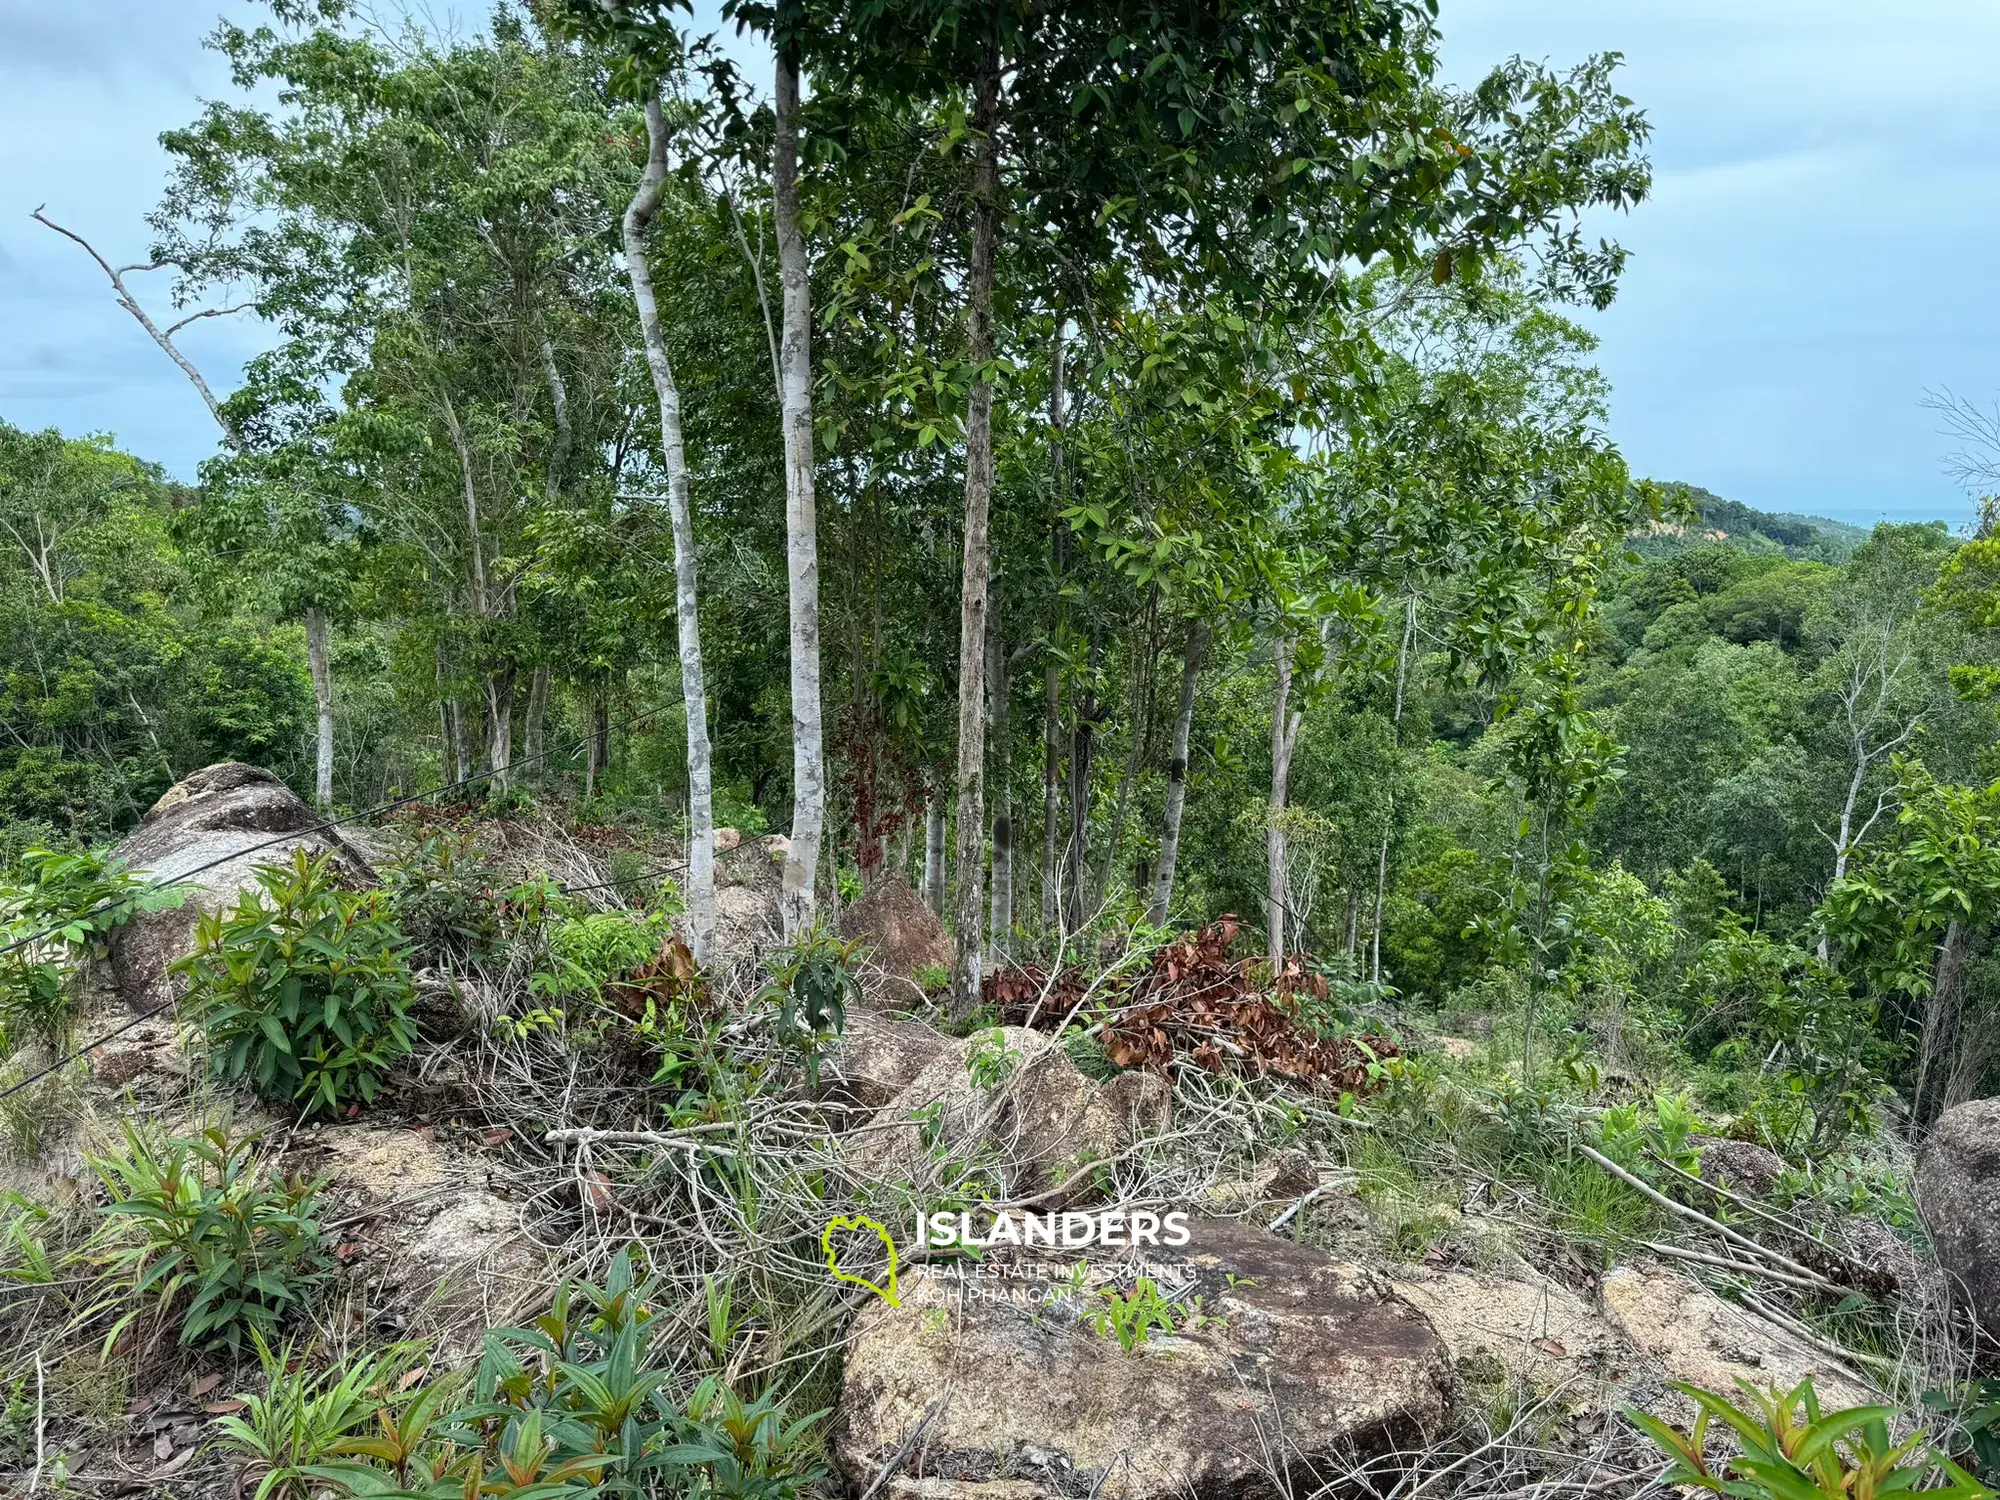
904 934
1010 1099
1520 1326
212 831
1292 1360
747 925
1958 1193
425 1240
880 1056
1682 1331
1740 1166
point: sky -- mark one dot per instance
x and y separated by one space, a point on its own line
1813 259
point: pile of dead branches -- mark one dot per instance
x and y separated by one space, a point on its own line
1194 1000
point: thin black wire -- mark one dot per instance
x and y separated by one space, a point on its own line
148 1014
143 891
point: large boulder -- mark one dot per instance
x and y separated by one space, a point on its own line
1740 1166
1010 1099
1684 1332
211 832
881 1055
1295 1360
427 1241
1958 1194
1517 1324
905 934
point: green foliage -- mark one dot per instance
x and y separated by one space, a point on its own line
303 990
595 947
989 1061
444 898
811 984
1788 1450
197 1231
305 1417
61 912
1132 1316
573 1406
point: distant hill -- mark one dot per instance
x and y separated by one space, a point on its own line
1739 525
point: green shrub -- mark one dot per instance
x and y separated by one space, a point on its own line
198 1232
305 993
444 899
1130 1317
599 946
1788 1450
811 982
62 911
575 1407
304 1418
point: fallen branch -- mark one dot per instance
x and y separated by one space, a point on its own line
681 1140
1681 1252
895 1463
1758 1210
1696 1216
1325 1187
1797 1329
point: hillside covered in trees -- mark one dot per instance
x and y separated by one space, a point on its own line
1034 550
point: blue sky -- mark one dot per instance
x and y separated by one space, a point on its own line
1814 257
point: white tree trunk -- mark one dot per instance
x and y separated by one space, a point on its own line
538 713
934 850
1284 726
977 563
694 689
1177 767
500 727
801 527
319 658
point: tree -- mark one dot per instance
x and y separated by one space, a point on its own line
312 609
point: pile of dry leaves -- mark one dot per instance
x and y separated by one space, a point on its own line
1194 1000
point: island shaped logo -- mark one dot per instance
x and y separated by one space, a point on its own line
833 1227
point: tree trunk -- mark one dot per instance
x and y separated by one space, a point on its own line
934 850
1941 1025
1284 724
1002 922
1177 767
1052 670
500 726
973 579
319 658
1139 728
538 713
694 688
1083 741
1396 724
600 735
1051 791
801 532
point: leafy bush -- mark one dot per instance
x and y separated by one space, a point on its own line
304 1417
1788 1450
591 949
574 1407
304 994
811 982
197 1230
443 897
1130 1317
62 912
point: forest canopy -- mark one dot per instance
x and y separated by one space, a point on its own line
1105 470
